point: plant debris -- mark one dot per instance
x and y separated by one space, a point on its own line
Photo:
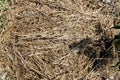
42 35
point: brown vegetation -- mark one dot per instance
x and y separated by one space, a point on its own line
59 40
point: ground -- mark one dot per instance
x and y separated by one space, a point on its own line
59 40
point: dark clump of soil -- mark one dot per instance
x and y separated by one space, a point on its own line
100 51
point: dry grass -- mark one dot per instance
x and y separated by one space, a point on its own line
35 43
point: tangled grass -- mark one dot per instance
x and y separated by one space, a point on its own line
59 40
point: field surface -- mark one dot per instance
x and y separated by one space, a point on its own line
58 40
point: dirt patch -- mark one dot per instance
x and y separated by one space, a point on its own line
39 42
